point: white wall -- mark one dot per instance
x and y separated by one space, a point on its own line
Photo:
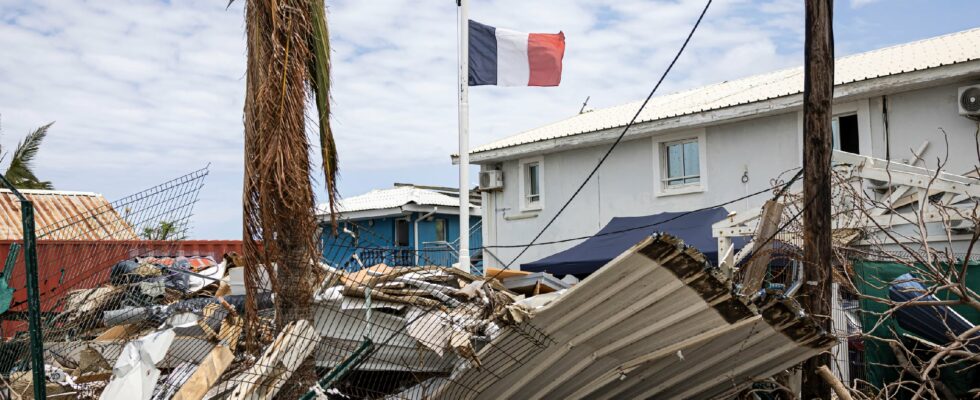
916 116
764 147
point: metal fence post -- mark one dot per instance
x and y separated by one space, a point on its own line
33 297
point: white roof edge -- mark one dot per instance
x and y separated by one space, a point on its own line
322 214
842 92
405 198
931 54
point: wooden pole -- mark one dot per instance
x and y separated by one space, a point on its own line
839 388
818 92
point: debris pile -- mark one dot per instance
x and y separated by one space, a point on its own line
172 327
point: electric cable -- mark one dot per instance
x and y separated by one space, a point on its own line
618 139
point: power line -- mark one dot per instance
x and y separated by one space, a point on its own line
684 214
618 139
779 193
601 161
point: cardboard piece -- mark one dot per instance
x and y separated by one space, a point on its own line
118 332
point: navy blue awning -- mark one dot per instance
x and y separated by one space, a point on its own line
623 232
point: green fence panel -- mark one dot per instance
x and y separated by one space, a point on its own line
873 279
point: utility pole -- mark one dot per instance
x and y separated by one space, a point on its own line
818 95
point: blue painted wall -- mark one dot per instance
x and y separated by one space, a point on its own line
376 241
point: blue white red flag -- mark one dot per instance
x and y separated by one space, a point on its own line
504 57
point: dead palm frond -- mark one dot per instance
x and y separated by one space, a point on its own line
20 172
287 66
320 85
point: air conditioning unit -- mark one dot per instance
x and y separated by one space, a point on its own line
969 101
491 180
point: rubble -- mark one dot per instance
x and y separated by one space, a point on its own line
173 327
432 332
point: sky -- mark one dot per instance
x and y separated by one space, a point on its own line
143 91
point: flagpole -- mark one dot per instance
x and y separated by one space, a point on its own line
464 136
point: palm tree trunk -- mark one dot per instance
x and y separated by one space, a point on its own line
279 221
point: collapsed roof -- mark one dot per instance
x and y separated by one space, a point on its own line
656 322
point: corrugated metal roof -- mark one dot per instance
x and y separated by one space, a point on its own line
64 215
380 199
924 54
653 323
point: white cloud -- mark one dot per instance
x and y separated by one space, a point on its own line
862 3
143 91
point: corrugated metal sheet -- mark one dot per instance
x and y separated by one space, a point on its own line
656 322
930 53
380 199
63 215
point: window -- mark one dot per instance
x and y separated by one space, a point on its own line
532 184
682 162
440 226
845 131
401 232
679 163
532 190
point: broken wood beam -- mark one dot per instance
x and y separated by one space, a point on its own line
755 272
264 379
206 374
839 388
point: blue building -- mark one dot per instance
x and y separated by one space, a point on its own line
406 225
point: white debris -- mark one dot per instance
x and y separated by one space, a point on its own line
135 374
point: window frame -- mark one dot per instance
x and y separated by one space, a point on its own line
835 139
523 201
862 108
408 233
661 160
445 229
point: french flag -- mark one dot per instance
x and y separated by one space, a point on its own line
504 57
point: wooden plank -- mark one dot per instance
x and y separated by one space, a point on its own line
501 274
755 272
264 379
206 374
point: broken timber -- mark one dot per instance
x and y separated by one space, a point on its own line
206 374
278 363
755 272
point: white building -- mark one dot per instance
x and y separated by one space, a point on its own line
711 144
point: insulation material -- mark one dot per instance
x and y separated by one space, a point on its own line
135 373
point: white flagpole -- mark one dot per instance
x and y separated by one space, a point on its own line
464 136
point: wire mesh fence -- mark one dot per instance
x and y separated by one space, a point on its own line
123 316
78 279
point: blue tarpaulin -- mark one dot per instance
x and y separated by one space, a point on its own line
937 324
623 232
